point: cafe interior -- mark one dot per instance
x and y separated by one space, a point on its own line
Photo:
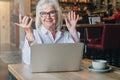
99 32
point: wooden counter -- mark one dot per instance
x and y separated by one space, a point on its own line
92 25
87 25
21 72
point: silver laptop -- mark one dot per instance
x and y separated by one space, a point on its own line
56 57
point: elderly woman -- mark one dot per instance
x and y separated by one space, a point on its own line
48 23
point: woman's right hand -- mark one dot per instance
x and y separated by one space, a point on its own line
25 22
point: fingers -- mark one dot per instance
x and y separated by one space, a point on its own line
17 24
68 24
72 15
66 20
77 18
30 23
69 17
26 20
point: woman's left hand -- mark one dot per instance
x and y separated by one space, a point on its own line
71 21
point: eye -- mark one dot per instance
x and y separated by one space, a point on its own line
43 13
53 12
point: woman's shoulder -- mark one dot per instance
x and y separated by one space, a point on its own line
37 31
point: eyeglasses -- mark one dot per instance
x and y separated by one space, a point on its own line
45 14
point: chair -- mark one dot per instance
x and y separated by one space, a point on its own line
109 44
93 34
118 21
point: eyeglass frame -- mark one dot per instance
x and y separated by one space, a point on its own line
51 14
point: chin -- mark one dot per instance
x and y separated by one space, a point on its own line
50 25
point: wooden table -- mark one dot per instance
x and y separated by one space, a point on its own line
21 72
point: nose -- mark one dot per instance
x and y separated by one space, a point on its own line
48 15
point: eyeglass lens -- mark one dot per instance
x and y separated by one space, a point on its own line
45 14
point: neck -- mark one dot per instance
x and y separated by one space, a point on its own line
52 29
53 32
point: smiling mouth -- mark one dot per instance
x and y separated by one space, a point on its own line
49 21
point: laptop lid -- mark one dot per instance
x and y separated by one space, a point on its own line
56 57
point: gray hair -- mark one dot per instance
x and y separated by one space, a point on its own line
39 7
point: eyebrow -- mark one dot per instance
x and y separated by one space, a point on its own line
48 11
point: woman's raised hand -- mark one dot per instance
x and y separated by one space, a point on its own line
71 23
71 20
25 22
